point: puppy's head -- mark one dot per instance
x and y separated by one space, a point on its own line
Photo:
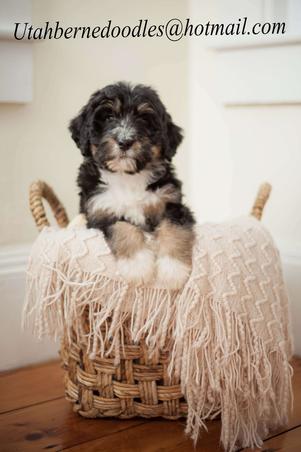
125 129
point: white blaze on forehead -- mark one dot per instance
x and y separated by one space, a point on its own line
124 131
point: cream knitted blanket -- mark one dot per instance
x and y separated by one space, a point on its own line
227 328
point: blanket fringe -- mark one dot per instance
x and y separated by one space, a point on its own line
224 366
228 370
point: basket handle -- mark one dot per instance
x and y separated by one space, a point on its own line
39 190
261 199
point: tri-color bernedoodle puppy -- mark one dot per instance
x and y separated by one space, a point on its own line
128 187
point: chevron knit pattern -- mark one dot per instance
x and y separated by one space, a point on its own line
227 329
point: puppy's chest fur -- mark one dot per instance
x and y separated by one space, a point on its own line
125 196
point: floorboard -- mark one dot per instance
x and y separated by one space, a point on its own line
35 417
157 435
30 385
53 425
286 442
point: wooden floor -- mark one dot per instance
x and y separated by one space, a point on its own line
34 416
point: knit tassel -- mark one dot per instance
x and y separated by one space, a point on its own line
227 369
228 346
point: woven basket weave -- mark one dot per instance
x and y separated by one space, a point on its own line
138 385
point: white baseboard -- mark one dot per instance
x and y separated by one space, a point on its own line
292 274
18 348
13 259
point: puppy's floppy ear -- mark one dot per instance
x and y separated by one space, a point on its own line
173 137
80 132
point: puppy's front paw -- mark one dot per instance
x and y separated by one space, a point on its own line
172 273
138 268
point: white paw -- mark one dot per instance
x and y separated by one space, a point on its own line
172 273
138 269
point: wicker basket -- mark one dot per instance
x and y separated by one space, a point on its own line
138 385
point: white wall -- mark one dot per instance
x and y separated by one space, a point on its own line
17 348
227 152
237 146
35 142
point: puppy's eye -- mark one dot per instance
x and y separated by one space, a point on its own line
149 119
103 115
146 117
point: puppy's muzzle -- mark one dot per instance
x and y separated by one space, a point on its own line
124 144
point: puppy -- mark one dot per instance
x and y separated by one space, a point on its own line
128 187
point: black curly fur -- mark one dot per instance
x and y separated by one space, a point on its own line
97 126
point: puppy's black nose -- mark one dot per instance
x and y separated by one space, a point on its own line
125 144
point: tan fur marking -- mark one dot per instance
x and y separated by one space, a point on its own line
93 149
124 164
115 104
126 239
107 103
154 211
145 108
111 141
156 151
100 214
169 193
175 241
107 141
136 146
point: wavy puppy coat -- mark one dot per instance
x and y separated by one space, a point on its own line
128 187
